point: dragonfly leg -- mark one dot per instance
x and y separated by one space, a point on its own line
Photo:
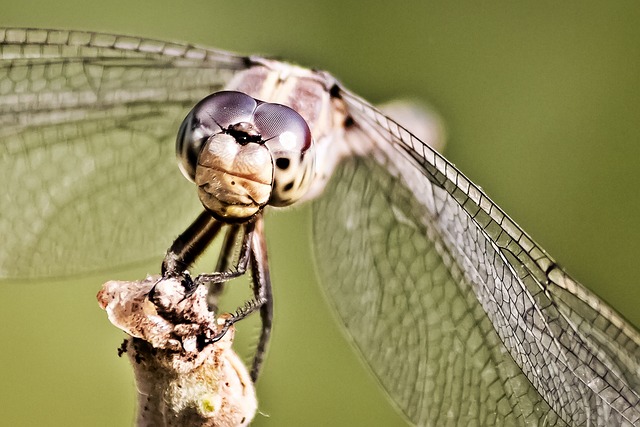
219 277
261 291
193 242
225 261
190 245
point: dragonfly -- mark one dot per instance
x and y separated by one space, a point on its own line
460 315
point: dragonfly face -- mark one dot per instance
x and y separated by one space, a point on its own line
244 154
462 317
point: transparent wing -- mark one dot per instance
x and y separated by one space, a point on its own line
87 134
460 315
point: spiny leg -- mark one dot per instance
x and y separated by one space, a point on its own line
192 243
219 277
189 245
262 291
225 260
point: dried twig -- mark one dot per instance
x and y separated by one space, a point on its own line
182 378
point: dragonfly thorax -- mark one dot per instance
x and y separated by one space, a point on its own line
244 154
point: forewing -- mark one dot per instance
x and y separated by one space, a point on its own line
87 147
460 315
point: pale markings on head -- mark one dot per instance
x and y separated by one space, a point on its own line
296 175
244 154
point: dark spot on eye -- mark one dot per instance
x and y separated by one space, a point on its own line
289 186
348 122
233 183
282 163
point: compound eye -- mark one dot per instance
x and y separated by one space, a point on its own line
212 115
282 128
223 109
288 138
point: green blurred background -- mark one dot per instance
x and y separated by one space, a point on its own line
541 100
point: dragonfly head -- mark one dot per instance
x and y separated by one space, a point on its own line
244 154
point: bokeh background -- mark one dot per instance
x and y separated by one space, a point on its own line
541 100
